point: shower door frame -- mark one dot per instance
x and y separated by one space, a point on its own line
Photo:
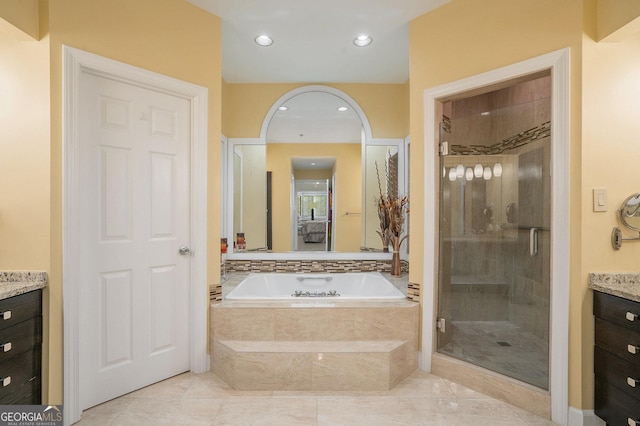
558 62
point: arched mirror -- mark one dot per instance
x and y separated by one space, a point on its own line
309 183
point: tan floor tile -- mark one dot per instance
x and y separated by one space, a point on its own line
369 411
204 399
423 385
266 411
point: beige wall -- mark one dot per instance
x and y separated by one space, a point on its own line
610 153
246 105
25 204
170 37
464 38
348 173
617 19
21 18
24 154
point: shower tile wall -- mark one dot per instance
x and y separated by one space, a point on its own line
529 276
489 278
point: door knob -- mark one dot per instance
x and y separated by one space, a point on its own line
184 250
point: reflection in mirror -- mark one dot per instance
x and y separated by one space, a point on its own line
250 195
312 221
379 159
317 125
319 136
482 202
630 212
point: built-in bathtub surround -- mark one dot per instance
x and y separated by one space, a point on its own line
235 266
353 286
13 283
314 346
626 285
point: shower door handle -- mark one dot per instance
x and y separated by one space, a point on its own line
533 242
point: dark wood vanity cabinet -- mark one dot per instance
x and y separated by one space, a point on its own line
21 349
617 360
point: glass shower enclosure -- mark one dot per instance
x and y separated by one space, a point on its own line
494 242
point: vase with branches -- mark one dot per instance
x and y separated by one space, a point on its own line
391 214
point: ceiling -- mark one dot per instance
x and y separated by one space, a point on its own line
313 43
313 40
315 117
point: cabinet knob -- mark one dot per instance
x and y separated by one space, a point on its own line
6 381
632 349
630 316
5 315
5 347
632 382
632 422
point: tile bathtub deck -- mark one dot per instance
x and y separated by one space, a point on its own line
204 399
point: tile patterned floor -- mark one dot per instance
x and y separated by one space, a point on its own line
502 347
204 399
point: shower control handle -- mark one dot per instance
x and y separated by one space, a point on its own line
533 242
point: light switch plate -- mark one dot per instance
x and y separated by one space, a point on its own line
600 202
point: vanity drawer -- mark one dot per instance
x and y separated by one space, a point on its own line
617 310
618 372
23 387
20 308
614 406
20 338
619 340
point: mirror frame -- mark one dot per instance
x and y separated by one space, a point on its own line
262 140
622 208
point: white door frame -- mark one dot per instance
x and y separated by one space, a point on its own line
559 64
75 62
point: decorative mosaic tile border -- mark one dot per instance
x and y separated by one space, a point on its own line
513 142
333 266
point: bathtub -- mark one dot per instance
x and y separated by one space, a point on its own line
315 286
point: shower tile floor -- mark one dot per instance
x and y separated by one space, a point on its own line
204 399
503 347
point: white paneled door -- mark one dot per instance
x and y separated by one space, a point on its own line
134 210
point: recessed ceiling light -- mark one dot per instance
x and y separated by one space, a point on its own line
264 40
283 108
342 108
362 40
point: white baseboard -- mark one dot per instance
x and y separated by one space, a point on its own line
584 418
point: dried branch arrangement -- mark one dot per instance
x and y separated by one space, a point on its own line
391 208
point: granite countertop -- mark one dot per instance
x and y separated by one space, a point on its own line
626 285
14 283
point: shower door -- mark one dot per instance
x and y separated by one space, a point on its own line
494 243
